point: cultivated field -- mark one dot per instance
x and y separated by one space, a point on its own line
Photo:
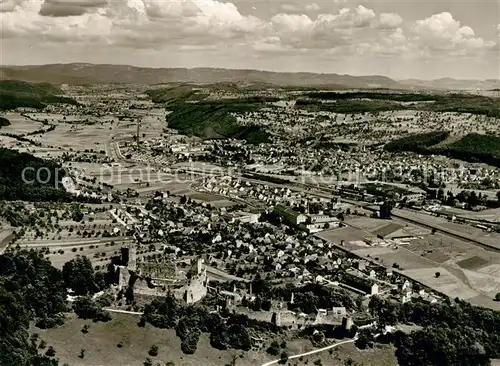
465 270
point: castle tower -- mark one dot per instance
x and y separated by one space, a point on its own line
132 259
199 266
138 133
347 323
277 317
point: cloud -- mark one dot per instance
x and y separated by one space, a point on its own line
390 20
302 7
290 7
198 24
9 5
441 32
313 7
64 8
170 9
326 31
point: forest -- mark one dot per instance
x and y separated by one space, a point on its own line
454 333
418 143
4 122
32 290
473 147
215 120
373 102
15 94
19 181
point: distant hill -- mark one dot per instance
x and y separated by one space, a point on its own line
372 102
452 84
473 147
82 73
85 73
16 93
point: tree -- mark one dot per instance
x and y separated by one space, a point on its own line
153 351
76 214
497 296
283 358
50 352
437 274
86 308
82 353
190 343
266 305
79 275
385 210
274 348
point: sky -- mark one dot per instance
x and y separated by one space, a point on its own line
402 39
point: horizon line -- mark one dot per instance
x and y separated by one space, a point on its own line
245 69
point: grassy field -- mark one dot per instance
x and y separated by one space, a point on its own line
472 262
100 345
381 355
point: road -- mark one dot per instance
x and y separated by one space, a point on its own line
312 352
123 311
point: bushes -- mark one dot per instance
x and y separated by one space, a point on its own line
454 333
189 344
79 275
4 122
